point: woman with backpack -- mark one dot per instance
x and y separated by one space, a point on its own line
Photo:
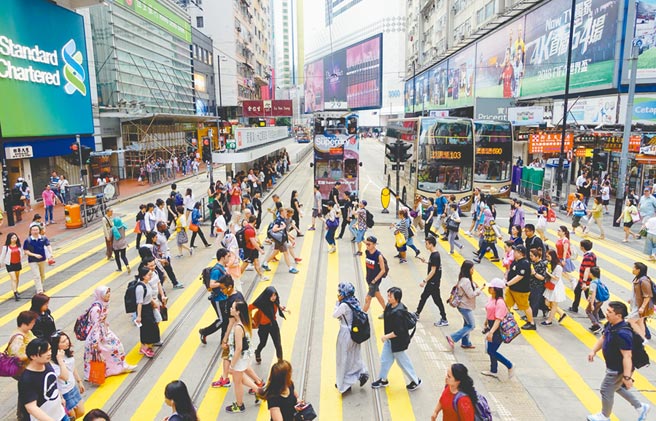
240 346
459 399
146 299
101 340
268 307
642 305
495 310
465 295
350 367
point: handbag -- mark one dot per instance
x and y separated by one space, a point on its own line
137 228
97 369
509 329
635 217
277 236
164 312
399 239
304 411
332 223
452 225
10 366
193 227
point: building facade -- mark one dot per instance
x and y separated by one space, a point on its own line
145 59
241 32
354 57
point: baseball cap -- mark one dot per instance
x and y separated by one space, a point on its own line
497 283
372 239
364 202
520 248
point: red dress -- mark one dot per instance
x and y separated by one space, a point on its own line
465 409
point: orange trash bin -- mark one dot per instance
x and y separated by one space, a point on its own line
73 216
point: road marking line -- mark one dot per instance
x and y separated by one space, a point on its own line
398 397
559 364
289 327
152 403
102 394
330 403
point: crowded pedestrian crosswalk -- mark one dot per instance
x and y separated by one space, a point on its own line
551 375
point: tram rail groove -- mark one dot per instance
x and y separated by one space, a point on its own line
370 349
283 187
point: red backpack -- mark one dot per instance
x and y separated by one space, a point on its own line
551 215
83 324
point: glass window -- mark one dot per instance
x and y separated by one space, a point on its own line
199 21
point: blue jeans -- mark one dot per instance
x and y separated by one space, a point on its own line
492 350
387 357
330 236
48 215
468 326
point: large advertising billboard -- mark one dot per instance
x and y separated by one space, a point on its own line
363 68
435 82
334 81
645 35
314 86
460 91
500 61
351 78
44 76
593 46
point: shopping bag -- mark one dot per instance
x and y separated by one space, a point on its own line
97 369
193 227
399 239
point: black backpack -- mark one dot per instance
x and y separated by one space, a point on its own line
206 274
639 355
360 328
130 297
386 268
410 321
241 238
370 219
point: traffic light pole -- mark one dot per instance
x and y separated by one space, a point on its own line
6 190
398 175
79 153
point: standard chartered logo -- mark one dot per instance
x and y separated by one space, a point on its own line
73 71
13 58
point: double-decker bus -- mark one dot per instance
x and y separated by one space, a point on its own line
493 168
336 152
442 158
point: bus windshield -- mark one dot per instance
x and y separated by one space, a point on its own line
445 160
493 151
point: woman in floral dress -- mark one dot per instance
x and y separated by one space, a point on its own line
102 339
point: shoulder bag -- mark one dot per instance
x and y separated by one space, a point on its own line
10 366
304 411
509 329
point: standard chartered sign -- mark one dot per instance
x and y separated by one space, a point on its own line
43 71
74 73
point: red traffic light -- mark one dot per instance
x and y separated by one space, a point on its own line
74 147
206 142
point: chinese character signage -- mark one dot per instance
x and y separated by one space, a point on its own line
593 46
268 108
542 142
19 152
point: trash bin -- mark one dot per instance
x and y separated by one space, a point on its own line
73 216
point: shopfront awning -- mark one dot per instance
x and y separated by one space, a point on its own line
161 117
250 155
646 159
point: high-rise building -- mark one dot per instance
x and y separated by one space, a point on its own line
285 44
241 33
354 57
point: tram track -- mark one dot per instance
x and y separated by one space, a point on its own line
370 348
284 186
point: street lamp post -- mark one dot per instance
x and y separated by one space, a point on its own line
218 64
561 157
